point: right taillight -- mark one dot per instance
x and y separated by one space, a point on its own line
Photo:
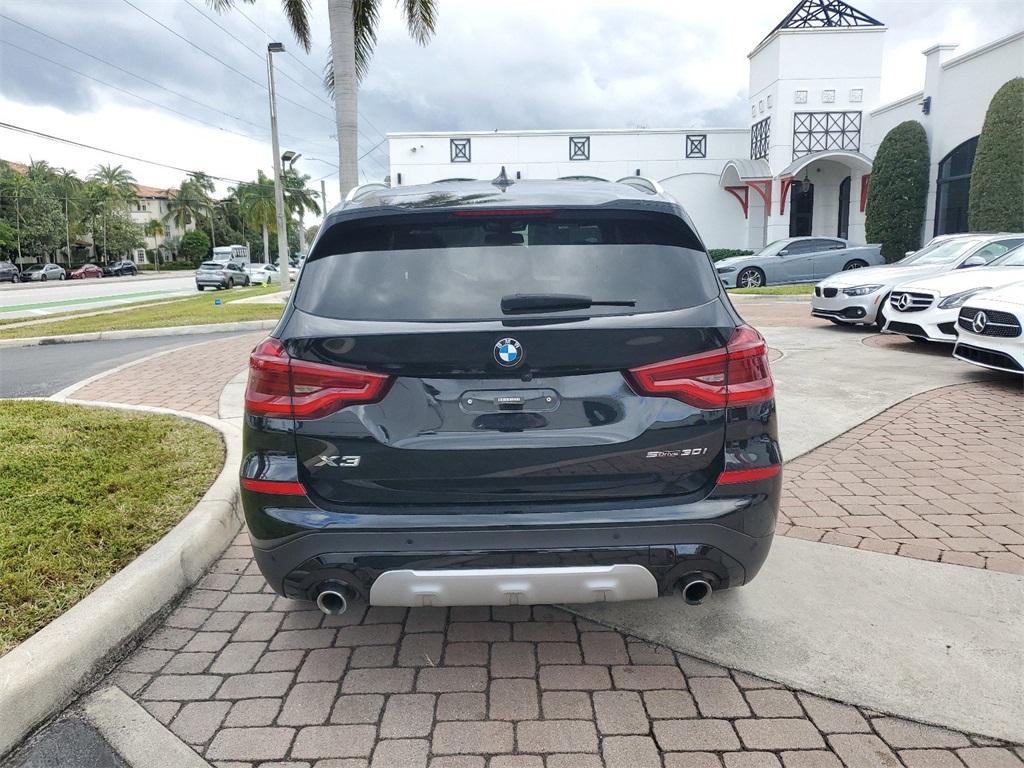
737 374
280 385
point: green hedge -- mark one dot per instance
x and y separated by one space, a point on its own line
899 189
997 179
717 254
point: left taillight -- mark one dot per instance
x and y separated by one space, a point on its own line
280 385
737 374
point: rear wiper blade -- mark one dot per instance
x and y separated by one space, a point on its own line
519 303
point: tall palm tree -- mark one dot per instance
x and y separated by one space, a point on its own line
116 181
353 26
298 199
191 198
256 202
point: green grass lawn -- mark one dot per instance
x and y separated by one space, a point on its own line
82 492
197 310
798 289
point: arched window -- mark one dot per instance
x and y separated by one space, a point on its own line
953 188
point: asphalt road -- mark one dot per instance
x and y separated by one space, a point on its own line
40 371
41 299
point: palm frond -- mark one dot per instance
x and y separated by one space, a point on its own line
421 19
225 5
365 19
297 12
329 73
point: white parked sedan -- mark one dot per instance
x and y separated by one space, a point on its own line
859 296
927 310
990 330
261 274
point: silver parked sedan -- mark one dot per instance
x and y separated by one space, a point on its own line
796 260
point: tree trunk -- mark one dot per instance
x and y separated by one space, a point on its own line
266 246
346 86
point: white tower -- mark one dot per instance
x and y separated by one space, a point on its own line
811 82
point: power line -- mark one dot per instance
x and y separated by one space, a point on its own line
135 95
62 140
319 76
254 52
222 62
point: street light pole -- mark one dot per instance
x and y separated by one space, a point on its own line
282 227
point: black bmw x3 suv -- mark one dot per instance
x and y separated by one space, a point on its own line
509 393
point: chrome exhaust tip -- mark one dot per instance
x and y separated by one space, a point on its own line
696 591
332 598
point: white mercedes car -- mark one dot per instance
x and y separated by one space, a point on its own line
926 310
990 330
859 296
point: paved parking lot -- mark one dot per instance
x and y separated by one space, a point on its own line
251 679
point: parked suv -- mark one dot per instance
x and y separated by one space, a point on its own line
120 269
220 274
504 394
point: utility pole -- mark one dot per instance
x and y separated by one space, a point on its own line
323 197
67 229
213 236
282 226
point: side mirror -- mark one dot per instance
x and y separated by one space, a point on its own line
973 261
784 252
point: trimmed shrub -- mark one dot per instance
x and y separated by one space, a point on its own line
717 254
997 179
899 189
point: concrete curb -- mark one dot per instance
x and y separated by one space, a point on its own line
142 333
43 674
136 735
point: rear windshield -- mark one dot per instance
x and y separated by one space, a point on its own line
458 266
211 265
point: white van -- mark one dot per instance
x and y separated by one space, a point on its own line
233 254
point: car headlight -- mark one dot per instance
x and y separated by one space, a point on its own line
860 290
957 299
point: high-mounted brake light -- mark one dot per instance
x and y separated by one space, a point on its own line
280 385
506 212
736 374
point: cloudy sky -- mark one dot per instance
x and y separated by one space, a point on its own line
189 89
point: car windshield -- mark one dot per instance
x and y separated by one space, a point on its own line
1014 258
941 253
35 267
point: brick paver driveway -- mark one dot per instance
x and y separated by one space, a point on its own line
936 477
251 679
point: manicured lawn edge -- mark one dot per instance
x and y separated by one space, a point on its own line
797 289
39 677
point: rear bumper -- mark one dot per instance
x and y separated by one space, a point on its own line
726 540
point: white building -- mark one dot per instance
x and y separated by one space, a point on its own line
802 165
152 203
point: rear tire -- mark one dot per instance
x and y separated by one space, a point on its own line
200 288
43 278
62 276
854 264
751 277
15 279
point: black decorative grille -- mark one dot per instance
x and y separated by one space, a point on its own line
820 131
579 147
696 145
460 150
824 14
759 133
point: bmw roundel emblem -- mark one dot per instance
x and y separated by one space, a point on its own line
508 353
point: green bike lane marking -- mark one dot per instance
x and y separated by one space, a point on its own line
85 300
